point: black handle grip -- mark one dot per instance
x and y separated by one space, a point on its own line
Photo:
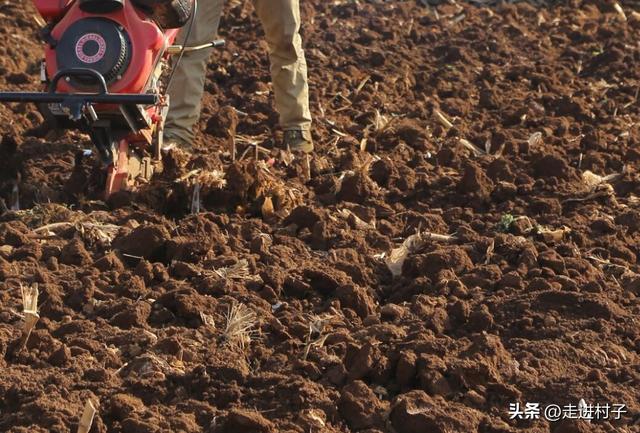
78 72
101 6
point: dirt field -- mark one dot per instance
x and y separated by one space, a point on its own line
505 136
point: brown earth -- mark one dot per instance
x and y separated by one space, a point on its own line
533 300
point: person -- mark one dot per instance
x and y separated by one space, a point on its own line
281 23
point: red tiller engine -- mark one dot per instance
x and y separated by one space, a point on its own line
103 67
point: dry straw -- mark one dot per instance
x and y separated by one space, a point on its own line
413 243
88 415
30 309
316 328
240 321
237 271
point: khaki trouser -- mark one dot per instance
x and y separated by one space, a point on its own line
281 23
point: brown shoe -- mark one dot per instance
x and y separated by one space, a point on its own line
296 140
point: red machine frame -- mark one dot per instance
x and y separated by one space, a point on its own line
135 99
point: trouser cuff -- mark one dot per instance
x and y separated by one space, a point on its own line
305 128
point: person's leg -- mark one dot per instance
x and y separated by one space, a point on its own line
281 22
187 87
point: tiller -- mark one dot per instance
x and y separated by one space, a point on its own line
103 68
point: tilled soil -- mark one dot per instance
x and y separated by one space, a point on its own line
510 131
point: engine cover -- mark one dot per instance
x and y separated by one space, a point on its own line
95 43
124 43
